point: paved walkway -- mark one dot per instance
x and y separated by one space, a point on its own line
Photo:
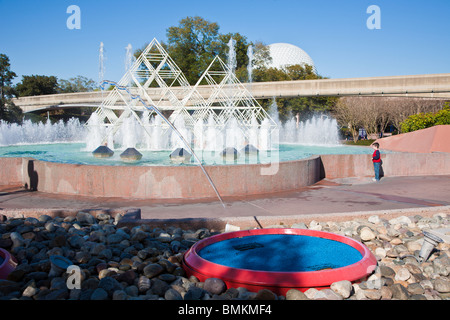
326 199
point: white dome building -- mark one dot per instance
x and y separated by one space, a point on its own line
285 54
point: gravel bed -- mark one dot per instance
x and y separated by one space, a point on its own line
144 263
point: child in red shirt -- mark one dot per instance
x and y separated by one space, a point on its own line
376 159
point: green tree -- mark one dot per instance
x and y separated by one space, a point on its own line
289 107
240 46
8 110
193 44
76 84
36 85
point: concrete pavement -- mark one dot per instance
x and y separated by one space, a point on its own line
327 200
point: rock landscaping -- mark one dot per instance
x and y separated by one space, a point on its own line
144 263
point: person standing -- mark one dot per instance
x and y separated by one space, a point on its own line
376 159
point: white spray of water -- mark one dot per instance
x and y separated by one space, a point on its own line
319 130
129 57
101 59
35 133
232 63
250 63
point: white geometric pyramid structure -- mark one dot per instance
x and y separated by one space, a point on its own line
229 103
230 100
153 68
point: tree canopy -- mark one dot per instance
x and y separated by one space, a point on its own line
193 44
76 84
36 85
8 111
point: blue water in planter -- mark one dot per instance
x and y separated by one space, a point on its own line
281 253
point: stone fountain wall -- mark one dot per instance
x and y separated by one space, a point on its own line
162 182
182 182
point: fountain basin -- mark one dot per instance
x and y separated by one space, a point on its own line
7 263
279 259
65 169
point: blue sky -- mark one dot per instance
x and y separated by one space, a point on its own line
413 39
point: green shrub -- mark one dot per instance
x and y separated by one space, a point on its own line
443 116
426 120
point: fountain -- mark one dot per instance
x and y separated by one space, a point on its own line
250 63
231 114
101 58
232 62
129 57
173 134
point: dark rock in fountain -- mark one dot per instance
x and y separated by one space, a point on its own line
250 150
180 155
230 153
103 152
130 155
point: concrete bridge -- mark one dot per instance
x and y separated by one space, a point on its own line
430 86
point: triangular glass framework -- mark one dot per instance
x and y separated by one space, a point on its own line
228 100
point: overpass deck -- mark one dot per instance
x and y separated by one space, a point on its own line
430 85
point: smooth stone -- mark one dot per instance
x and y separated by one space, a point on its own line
343 288
109 284
374 219
194 293
172 294
60 294
367 234
415 288
167 277
85 218
119 295
30 291
328 294
99 294
386 293
159 287
265 294
215 286
373 294
399 292
442 285
132 291
402 274
294 294
311 293
144 284
152 270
